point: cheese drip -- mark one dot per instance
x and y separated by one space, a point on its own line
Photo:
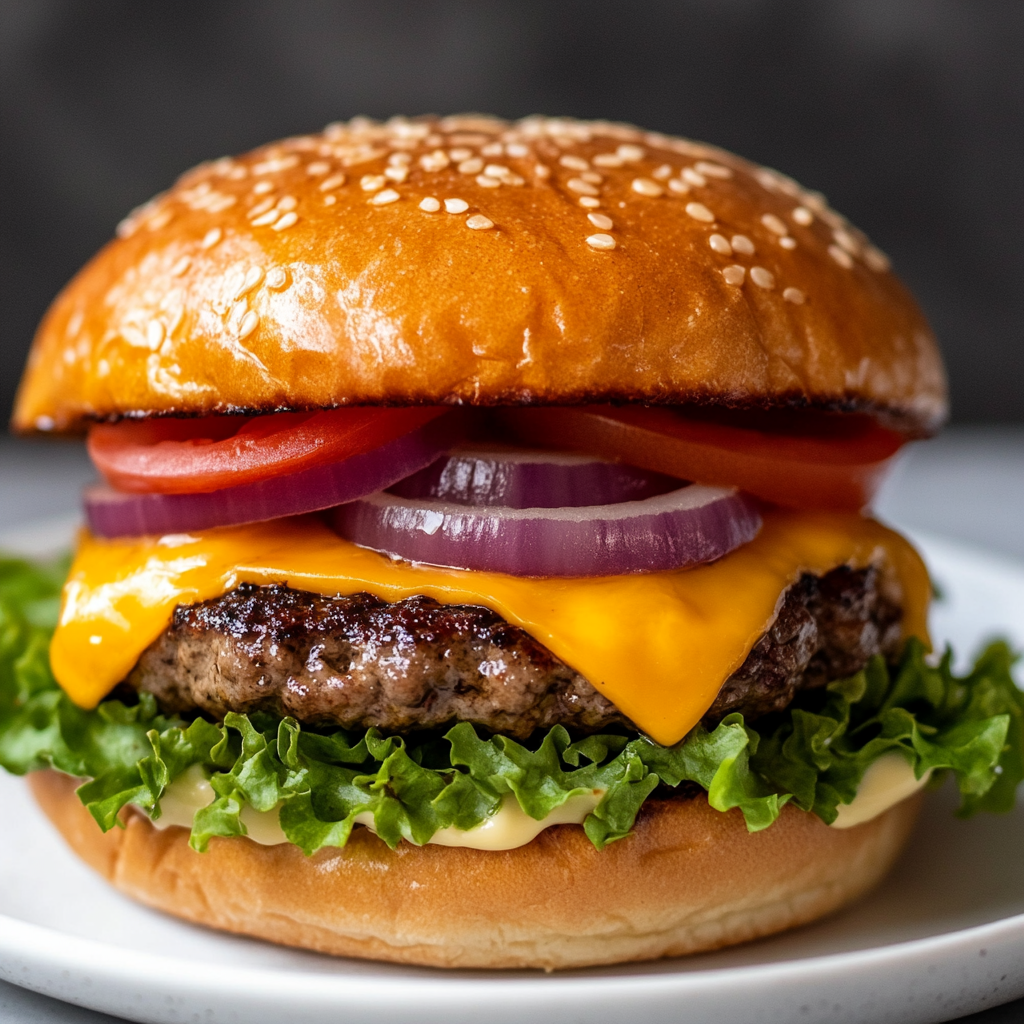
657 645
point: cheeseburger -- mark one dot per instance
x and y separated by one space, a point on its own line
481 573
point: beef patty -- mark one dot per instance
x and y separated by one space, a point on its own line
416 664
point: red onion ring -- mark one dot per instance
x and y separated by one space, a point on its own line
113 513
685 527
521 478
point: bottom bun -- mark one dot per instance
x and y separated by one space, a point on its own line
689 879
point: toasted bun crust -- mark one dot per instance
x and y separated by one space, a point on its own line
309 274
689 879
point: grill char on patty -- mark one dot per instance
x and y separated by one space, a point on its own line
416 664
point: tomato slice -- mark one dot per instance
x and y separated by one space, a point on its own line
799 459
179 456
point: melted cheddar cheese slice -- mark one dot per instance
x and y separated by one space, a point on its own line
658 645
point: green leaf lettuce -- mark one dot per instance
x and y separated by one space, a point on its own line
814 753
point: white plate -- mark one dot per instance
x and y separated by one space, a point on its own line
943 936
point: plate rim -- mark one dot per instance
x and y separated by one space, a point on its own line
23 939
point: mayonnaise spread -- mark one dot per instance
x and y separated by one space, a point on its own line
510 827
886 782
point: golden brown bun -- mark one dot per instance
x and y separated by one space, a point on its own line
279 280
689 879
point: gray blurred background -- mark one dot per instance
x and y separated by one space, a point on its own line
906 113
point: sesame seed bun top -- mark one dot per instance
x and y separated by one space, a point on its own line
473 260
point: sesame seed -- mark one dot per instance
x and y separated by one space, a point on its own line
436 161
486 181
472 166
233 280
743 244
498 171
787 242
430 205
802 215
249 324
286 220
679 187
876 259
592 176
830 217
663 172
762 278
253 276
542 171
517 149
267 218
589 202
332 182
629 153
277 278
846 241
389 195
261 187
599 220
773 223
688 174
181 265
286 203
162 218
698 211
841 256
766 178
646 187
794 295
720 244
604 242
221 203
734 274
176 317
492 149
211 238
275 164
460 154
574 163
330 200
126 227
712 170
608 160
372 182
407 130
478 222
399 159
456 205
317 168
397 173
582 187
154 334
